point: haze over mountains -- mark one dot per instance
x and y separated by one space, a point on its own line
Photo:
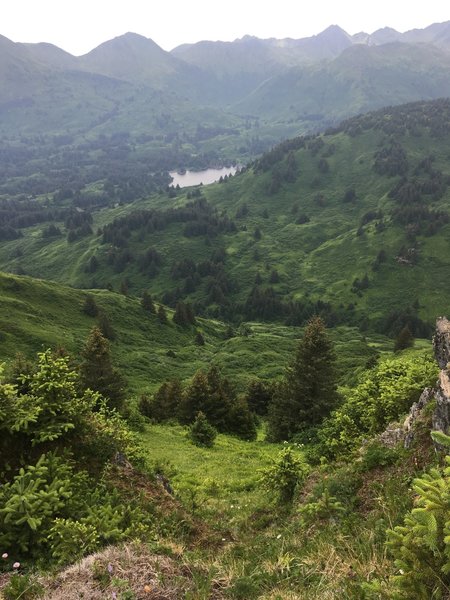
285 86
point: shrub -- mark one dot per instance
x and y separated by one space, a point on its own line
284 475
201 433
377 455
25 587
421 546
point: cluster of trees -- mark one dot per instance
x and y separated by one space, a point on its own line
407 119
66 168
391 159
57 434
208 393
199 217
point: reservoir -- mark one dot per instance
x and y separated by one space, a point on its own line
197 177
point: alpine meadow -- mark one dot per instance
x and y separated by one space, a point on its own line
228 390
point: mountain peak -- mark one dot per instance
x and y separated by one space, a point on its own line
129 40
334 31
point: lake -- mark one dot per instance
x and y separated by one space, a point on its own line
198 177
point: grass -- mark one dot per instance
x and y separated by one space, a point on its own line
223 479
37 314
266 551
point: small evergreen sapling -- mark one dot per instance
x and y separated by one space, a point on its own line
284 475
201 433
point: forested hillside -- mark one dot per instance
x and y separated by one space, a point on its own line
351 224
226 391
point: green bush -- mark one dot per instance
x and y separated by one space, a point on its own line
383 395
25 587
421 546
201 433
377 455
326 507
284 475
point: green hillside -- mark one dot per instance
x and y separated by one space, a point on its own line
352 224
36 315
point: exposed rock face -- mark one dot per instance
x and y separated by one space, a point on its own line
415 412
441 344
440 393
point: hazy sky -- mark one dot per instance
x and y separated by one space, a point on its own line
79 25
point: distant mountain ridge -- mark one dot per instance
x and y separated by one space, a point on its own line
281 86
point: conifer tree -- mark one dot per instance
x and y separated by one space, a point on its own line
258 396
404 339
164 404
308 393
105 326
183 315
97 372
201 432
162 315
241 422
90 307
147 303
195 398
199 339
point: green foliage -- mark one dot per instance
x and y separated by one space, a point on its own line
213 395
106 522
201 433
23 587
326 507
147 303
258 395
284 476
421 546
377 455
105 326
183 315
404 339
36 496
384 394
90 307
51 492
162 315
308 393
97 372
50 409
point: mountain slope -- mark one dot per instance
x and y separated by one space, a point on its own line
362 78
36 315
131 57
352 224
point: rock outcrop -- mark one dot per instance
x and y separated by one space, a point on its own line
441 345
440 421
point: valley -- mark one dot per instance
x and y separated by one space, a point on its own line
220 273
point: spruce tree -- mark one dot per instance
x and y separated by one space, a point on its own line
211 394
199 339
162 315
404 339
201 432
308 393
195 398
258 396
164 404
105 326
241 422
147 303
90 307
97 372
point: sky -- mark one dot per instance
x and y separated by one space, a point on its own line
78 26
